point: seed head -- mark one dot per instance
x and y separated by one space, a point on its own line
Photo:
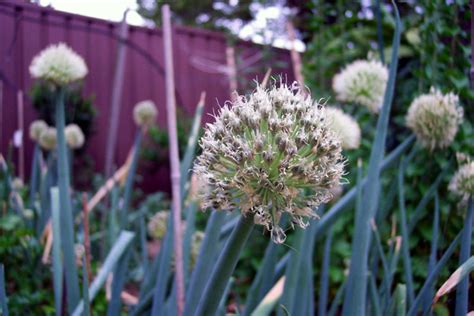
48 139
58 64
74 136
36 128
145 113
435 118
281 158
345 127
363 82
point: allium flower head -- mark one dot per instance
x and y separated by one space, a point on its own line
48 138
36 128
145 113
157 224
345 127
58 64
74 136
363 82
435 118
268 154
462 183
17 184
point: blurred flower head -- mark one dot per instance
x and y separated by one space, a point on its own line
196 243
28 213
157 224
462 183
270 153
74 136
363 82
145 113
435 118
79 251
48 138
345 127
36 128
58 64
17 184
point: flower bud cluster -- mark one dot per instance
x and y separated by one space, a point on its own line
74 136
145 113
268 154
362 82
345 127
435 118
58 64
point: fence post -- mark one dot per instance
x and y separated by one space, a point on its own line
116 103
174 158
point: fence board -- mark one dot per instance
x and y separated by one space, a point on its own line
25 29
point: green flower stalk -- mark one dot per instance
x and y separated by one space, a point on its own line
435 118
268 154
462 185
36 129
60 66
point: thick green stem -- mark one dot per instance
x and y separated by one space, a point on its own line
127 194
67 234
224 267
462 290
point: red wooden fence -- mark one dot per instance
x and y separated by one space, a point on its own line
26 29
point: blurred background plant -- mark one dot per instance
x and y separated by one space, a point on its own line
79 110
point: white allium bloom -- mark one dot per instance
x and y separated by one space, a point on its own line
157 224
462 183
48 138
345 127
74 136
435 118
145 113
36 128
270 153
58 64
17 184
363 82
